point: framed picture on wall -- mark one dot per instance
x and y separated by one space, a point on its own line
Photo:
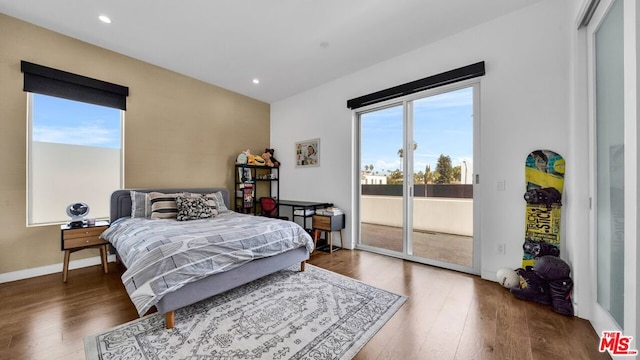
308 153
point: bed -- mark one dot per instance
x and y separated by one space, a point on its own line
242 269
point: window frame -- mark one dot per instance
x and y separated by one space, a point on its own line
29 161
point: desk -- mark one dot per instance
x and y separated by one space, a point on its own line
304 206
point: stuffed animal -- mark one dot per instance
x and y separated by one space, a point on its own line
242 158
267 159
251 159
258 160
275 162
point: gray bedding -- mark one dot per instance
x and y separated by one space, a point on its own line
161 256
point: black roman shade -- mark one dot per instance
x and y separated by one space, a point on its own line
48 81
445 78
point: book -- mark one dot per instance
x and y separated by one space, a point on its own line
330 211
301 212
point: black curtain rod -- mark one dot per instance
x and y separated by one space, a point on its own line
445 78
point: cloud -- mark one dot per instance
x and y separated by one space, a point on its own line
93 134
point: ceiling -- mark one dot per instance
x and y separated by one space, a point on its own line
289 45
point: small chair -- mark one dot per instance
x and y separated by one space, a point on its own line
269 208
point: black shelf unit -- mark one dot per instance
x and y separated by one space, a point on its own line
263 182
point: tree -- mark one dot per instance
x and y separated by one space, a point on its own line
418 177
457 174
394 177
401 151
428 175
444 170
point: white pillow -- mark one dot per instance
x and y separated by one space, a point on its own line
140 205
219 200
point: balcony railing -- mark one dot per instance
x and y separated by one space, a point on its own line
456 191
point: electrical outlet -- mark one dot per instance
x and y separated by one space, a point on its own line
500 249
500 185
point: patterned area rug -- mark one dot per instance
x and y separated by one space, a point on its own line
316 314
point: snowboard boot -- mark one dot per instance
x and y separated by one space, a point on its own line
561 296
532 287
552 268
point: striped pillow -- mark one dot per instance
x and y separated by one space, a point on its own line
163 206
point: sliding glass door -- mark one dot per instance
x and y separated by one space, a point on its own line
608 154
381 178
442 203
416 177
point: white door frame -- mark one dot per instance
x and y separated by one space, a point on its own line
408 185
600 318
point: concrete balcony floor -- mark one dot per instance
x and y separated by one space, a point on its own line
455 249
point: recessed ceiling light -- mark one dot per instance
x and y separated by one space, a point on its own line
256 81
105 19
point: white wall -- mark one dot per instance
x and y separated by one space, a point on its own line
444 215
526 104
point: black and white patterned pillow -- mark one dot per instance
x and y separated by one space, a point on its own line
213 205
192 208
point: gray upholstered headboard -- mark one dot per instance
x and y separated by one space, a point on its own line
121 199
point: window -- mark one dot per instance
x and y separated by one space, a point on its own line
75 155
74 139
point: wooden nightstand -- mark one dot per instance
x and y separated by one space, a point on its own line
74 239
328 224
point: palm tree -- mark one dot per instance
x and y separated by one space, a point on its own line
401 151
428 175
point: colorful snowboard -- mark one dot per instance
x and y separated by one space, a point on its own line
544 174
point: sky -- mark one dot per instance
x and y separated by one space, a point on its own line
443 124
64 121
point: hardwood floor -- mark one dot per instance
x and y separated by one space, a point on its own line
448 315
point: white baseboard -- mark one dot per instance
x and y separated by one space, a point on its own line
51 269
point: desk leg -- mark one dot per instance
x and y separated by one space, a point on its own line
341 244
103 257
65 266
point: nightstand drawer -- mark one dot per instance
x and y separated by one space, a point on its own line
84 232
328 223
83 242
82 237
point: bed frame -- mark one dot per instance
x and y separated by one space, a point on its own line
213 284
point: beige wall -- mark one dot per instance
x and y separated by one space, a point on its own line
179 132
